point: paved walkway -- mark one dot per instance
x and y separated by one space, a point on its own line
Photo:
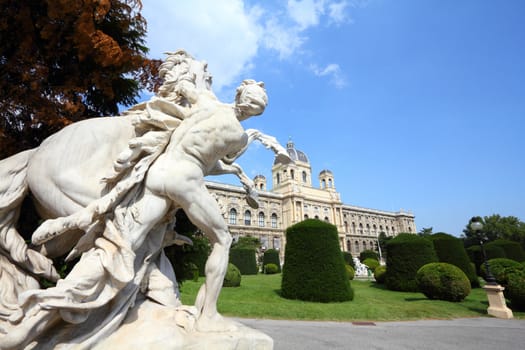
461 334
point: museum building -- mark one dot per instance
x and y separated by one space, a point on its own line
294 198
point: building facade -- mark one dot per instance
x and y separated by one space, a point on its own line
293 198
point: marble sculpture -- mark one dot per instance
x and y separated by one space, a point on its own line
108 189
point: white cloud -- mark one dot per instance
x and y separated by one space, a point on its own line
306 13
331 70
337 13
231 34
225 33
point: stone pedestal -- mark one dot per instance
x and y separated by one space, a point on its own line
497 306
151 326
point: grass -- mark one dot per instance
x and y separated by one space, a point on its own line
258 297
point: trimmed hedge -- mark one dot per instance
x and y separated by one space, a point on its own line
368 254
350 271
443 281
244 259
450 249
271 269
406 254
348 259
380 274
232 277
498 268
371 263
271 256
513 250
515 289
314 269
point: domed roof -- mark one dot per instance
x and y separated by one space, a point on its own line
294 153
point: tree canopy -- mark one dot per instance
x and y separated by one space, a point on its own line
496 227
64 60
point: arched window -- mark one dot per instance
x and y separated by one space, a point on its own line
326 219
278 178
247 218
323 184
353 227
274 220
346 226
292 174
360 228
348 246
330 183
261 219
305 216
233 216
304 176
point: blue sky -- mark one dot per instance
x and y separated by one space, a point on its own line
414 105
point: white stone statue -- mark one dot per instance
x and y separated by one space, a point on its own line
109 188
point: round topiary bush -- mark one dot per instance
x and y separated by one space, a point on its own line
350 272
450 249
498 267
380 274
513 250
406 254
515 289
443 281
271 269
232 277
314 269
271 256
368 254
371 263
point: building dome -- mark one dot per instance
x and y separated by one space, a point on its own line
294 154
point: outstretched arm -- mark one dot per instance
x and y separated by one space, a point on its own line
222 168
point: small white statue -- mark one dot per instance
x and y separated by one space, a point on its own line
109 188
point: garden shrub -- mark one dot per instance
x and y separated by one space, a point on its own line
232 277
271 256
450 249
513 250
271 269
371 263
347 256
350 272
443 281
380 274
406 254
314 269
515 290
498 267
244 259
368 254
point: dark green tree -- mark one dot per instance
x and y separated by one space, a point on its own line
496 227
425 231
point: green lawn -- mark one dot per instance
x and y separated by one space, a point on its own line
258 297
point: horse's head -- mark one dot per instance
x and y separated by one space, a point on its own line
179 66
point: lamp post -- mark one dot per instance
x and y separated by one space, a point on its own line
477 226
497 305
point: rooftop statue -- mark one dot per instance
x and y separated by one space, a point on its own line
109 188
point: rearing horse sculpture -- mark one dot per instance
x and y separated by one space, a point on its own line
109 188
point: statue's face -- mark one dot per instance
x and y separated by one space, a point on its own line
252 99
